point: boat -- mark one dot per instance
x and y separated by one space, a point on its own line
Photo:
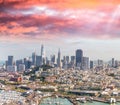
112 100
82 100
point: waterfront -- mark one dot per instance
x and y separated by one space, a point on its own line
64 101
98 103
54 101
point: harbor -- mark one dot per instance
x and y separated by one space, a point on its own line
55 101
60 100
65 101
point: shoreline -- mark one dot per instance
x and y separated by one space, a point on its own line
74 102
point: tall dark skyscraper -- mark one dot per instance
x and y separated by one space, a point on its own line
18 62
43 60
53 58
79 57
27 63
34 58
113 62
91 64
59 59
67 59
38 61
10 61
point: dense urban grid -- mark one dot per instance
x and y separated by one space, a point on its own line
27 81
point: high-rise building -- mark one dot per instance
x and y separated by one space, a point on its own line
10 61
59 59
12 68
27 63
38 60
72 62
73 59
100 63
34 58
21 67
91 64
53 59
113 62
43 60
18 62
116 64
67 59
79 57
85 63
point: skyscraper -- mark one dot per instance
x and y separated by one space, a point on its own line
43 54
91 64
67 59
85 63
34 58
10 61
18 62
100 63
73 59
113 62
79 57
27 63
38 61
72 62
59 59
53 59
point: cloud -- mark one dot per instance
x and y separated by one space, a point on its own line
40 21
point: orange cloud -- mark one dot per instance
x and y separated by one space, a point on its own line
47 18
63 4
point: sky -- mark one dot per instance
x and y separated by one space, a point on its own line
90 25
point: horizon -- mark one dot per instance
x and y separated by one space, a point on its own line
38 53
91 25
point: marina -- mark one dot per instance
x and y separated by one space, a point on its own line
97 103
65 101
55 101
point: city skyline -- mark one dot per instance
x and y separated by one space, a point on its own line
90 25
57 55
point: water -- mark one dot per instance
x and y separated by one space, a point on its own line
52 101
98 103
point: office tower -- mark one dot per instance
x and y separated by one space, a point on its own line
27 63
85 63
6 63
10 61
21 67
18 62
72 62
67 59
73 59
59 59
43 60
91 64
12 68
53 59
34 58
113 62
116 64
79 57
100 63
64 59
38 60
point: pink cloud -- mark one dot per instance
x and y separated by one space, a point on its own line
44 21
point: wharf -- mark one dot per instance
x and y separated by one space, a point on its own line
100 100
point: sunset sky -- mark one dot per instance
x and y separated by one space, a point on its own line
91 25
